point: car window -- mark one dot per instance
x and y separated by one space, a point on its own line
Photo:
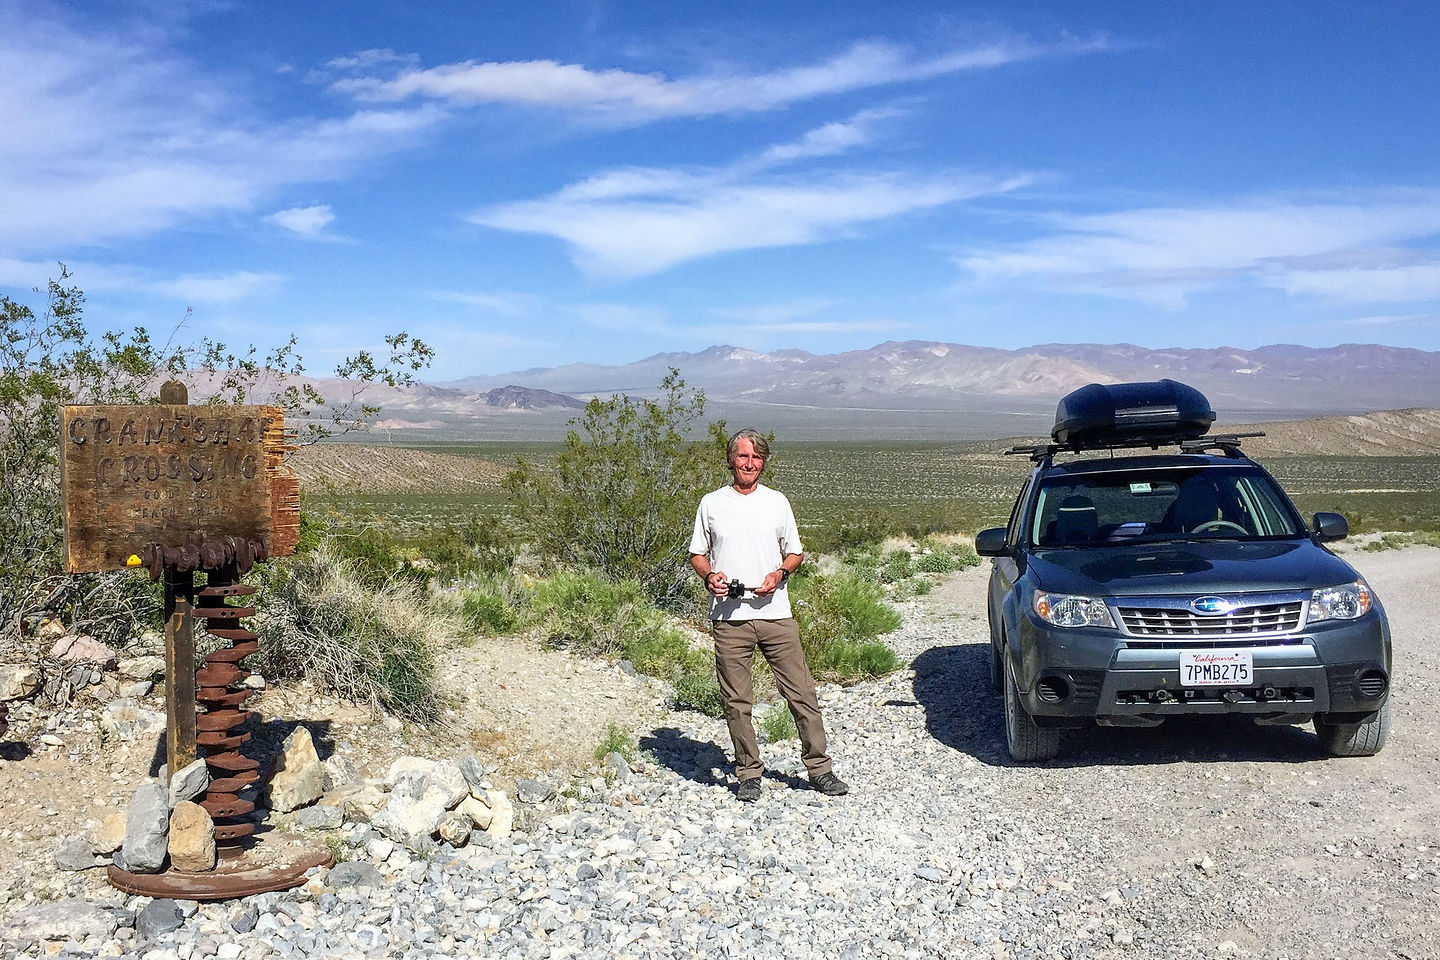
1161 503
1013 530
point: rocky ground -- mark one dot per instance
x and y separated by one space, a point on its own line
1197 839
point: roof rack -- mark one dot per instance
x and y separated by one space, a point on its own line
1228 443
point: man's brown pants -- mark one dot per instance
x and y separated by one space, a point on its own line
779 642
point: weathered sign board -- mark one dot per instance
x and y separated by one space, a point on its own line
165 474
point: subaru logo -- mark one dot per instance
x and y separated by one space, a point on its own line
1211 606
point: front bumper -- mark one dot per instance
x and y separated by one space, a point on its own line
1100 673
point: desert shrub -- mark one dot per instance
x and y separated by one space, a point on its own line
589 613
615 740
372 644
622 495
937 562
840 619
477 546
487 609
696 687
917 586
898 565
778 724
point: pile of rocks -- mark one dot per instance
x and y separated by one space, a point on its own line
422 803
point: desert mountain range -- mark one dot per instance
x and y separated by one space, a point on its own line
918 389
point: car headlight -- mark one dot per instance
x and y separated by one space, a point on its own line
1345 602
1064 610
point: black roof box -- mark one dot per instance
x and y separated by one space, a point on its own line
1164 411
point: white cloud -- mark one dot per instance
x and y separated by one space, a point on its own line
504 303
218 287
1413 319
1335 248
636 97
306 221
113 135
775 313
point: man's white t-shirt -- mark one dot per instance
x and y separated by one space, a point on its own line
745 536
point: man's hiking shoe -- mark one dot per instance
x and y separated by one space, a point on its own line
749 790
830 785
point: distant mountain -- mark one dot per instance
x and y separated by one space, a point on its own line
1283 379
511 397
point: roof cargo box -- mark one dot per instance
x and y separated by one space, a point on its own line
1162 410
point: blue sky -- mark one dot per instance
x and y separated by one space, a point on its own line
534 184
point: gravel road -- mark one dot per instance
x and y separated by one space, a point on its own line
1196 839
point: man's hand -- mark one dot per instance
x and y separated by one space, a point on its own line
717 583
773 579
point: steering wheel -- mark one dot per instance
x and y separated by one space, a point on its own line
1212 525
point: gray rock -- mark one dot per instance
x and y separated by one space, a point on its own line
320 817
72 919
124 718
146 828
619 766
340 772
627 668
455 829
190 782
448 783
157 918
244 918
75 854
533 791
136 690
142 668
355 874
475 775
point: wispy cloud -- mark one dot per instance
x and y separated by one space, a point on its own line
1345 248
642 220
308 222
505 303
1403 320
114 135
219 287
637 97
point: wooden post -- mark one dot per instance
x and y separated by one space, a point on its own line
179 644
179 670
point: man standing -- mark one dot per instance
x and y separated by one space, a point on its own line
746 531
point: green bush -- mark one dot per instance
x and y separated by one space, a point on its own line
372 644
937 562
615 740
840 618
898 566
778 724
487 610
591 614
475 547
696 687
622 497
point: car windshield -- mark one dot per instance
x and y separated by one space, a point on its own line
1235 503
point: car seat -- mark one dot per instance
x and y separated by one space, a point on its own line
1077 521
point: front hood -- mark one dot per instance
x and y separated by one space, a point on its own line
1218 566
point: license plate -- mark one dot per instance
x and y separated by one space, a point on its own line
1216 668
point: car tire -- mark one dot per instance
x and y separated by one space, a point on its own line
1363 738
1026 739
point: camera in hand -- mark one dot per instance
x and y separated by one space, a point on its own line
736 590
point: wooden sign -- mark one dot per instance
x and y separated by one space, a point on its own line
166 474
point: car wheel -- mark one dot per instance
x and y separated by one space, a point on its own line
1027 740
1363 738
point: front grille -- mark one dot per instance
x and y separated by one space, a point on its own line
1242 621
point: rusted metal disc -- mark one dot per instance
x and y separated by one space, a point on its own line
230 832
220 697
235 653
278 862
219 675
232 761
220 719
232 633
233 784
224 613
228 590
218 741
226 805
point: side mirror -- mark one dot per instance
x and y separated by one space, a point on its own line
1331 526
990 543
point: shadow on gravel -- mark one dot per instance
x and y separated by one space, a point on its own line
700 761
962 712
